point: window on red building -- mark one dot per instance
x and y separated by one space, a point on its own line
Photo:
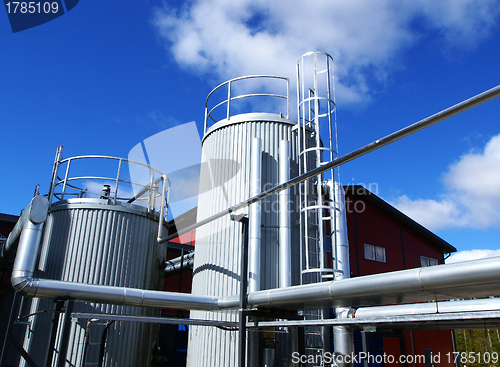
375 253
428 261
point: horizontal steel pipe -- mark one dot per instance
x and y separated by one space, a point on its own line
474 278
56 289
154 320
476 305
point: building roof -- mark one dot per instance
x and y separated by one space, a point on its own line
8 218
399 216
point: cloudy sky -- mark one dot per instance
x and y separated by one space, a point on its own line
105 77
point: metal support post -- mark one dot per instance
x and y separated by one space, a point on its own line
402 347
63 348
243 290
301 341
364 340
55 324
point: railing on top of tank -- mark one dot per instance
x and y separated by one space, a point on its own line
208 113
158 185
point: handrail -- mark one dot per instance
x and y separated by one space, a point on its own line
57 181
153 187
208 113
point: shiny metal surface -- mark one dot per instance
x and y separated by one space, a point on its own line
476 305
179 259
339 229
217 261
35 213
179 263
316 112
406 285
98 253
285 235
477 278
445 321
343 339
24 266
55 289
254 217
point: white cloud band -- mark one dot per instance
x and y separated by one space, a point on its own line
226 39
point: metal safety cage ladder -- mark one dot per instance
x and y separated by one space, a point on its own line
316 112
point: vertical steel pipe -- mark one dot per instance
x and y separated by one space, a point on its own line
341 241
242 322
35 213
343 341
285 257
254 217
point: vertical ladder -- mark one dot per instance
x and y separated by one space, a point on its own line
316 110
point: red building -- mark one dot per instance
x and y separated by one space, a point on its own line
382 239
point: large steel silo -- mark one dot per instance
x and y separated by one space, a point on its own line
288 242
233 149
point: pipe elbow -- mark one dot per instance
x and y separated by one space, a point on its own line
23 283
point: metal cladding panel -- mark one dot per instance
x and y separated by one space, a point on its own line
217 259
107 245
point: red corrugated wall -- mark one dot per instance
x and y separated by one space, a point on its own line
368 224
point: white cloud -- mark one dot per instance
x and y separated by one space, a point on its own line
472 255
478 173
471 198
226 39
461 22
432 214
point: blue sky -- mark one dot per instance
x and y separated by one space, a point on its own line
105 77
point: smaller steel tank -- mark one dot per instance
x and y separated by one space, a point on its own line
103 239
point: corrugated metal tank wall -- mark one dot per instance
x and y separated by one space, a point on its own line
217 259
97 243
